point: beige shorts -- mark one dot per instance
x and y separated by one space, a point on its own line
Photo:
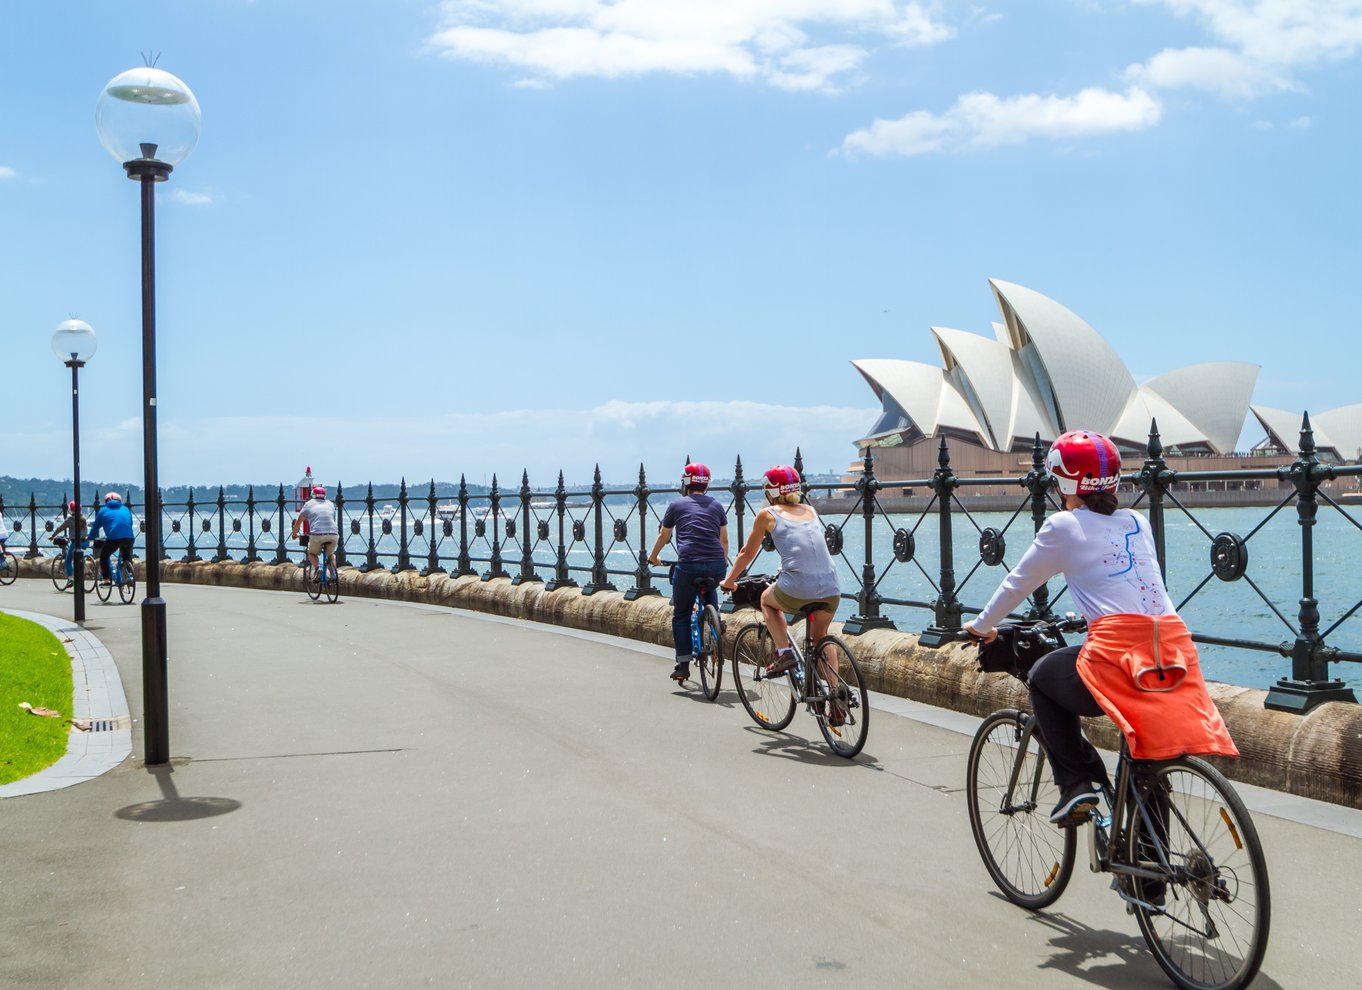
792 605
315 542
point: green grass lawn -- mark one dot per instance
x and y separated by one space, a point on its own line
34 667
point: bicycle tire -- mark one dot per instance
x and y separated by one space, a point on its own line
104 590
9 568
127 583
331 586
60 579
311 584
1028 858
711 658
770 701
1212 931
91 573
848 738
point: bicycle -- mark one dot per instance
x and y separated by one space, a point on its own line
841 709
322 579
1182 850
706 635
9 567
63 567
122 576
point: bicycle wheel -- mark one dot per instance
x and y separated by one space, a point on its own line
60 579
711 658
91 573
769 700
1211 931
127 583
332 583
844 719
1029 859
311 584
102 589
9 567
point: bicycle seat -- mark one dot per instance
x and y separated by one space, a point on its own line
812 607
703 584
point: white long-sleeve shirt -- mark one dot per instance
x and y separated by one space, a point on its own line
1109 562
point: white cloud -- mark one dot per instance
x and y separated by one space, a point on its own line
1261 41
186 198
619 436
1219 70
6 172
983 120
770 40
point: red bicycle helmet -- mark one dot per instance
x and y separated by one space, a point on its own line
318 491
695 476
71 506
1084 462
783 479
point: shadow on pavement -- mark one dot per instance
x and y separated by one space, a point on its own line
172 807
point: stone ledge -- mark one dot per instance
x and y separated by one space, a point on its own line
1318 755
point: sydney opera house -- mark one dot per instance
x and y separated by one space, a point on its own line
1045 371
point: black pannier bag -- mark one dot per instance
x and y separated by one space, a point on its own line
749 590
1016 650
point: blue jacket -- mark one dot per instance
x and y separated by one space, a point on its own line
114 521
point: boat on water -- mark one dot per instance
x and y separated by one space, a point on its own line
387 512
447 510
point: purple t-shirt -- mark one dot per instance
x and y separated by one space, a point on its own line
696 520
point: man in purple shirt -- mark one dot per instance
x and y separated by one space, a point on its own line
701 528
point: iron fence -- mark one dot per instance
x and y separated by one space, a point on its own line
597 539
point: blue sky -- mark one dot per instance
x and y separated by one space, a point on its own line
427 239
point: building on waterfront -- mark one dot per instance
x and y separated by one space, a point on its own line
1338 432
1046 371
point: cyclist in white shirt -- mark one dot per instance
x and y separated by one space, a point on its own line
319 513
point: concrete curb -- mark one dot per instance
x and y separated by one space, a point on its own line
1318 755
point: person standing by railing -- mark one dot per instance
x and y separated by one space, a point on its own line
701 528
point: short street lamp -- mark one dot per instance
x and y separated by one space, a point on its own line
74 344
149 121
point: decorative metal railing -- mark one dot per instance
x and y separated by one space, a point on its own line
894 564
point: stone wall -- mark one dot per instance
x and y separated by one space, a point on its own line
1318 755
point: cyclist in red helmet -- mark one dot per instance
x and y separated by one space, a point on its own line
319 515
75 525
1139 664
807 572
701 529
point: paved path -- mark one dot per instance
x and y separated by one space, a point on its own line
378 795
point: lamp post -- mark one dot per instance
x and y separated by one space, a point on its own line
74 344
149 121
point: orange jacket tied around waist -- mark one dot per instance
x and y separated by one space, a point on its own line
1144 672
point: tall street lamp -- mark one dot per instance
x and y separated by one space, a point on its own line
149 121
74 344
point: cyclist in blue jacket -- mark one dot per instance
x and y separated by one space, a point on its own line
114 521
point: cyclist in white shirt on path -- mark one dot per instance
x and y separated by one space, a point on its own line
320 515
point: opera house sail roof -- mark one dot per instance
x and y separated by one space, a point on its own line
1046 371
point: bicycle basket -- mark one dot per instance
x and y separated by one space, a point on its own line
749 590
1015 651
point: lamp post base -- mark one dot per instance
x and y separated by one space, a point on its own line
155 703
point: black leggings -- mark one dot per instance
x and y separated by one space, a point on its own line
106 549
1058 698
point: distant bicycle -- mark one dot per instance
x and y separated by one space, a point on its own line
9 567
63 567
123 578
322 579
1181 848
706 635
827 679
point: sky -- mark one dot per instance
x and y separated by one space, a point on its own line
481 237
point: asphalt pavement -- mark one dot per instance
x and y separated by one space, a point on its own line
376 794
